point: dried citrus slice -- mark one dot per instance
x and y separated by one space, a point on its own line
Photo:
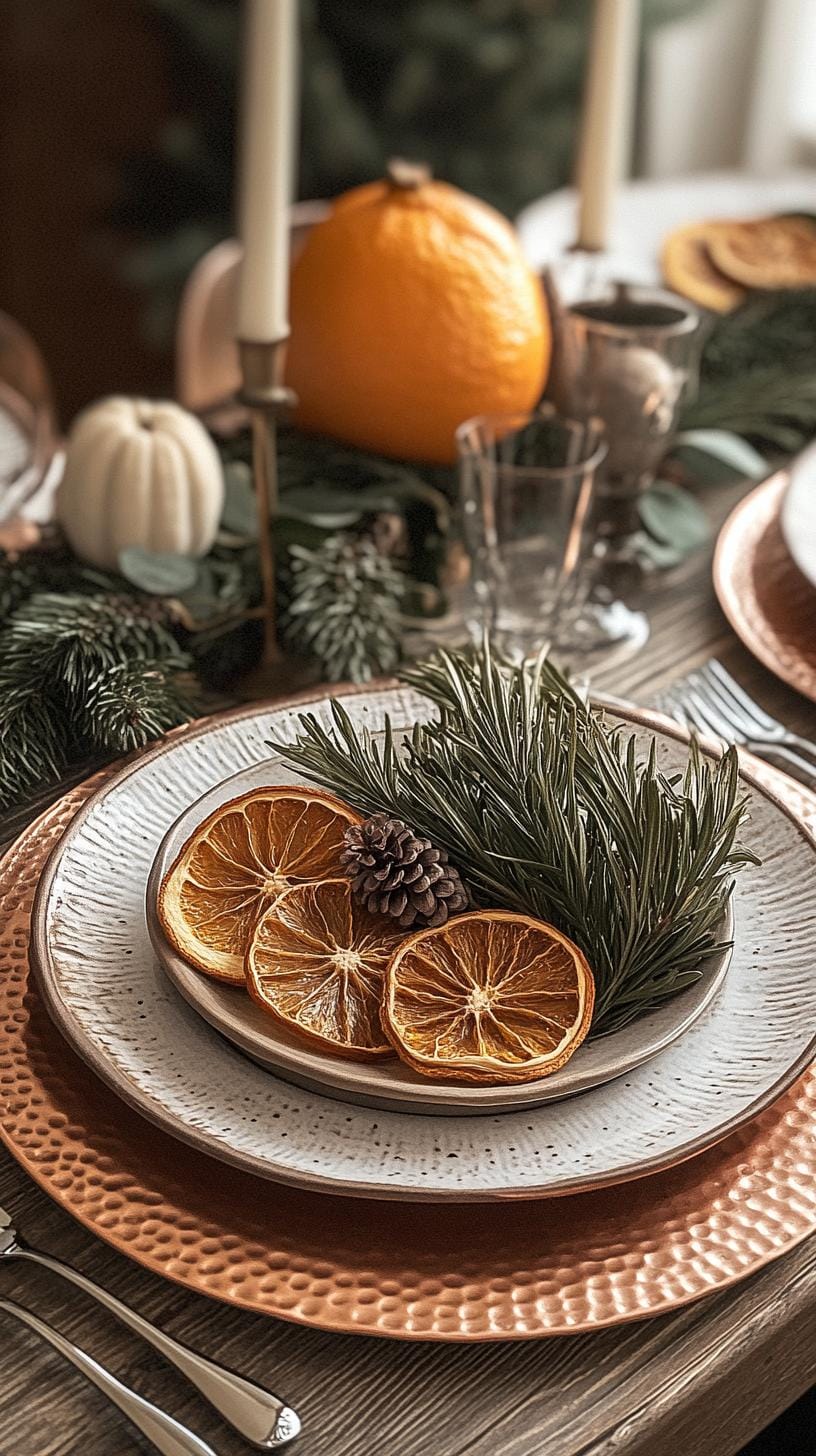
317 961
774 252
490 997
688 269
238 862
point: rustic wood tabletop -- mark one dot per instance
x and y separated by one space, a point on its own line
700 1382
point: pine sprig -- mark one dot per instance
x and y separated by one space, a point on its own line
128 705
757 376
83 676
344 607
774 407
547 809
79 636
33 744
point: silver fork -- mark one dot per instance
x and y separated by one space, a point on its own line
711 701
256 1414
167 1435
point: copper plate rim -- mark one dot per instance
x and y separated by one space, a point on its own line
188 1133
768 493
714 1221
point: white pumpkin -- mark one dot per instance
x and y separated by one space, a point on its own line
139 472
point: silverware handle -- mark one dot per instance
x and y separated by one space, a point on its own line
168 1435
804 747
805 770
253 1412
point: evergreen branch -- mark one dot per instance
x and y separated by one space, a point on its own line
33 745
128 705
344 607
757 374
77 635
774 407
548 810
80 675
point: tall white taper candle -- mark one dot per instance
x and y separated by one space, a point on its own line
606 128
267 166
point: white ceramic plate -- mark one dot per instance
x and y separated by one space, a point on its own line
646 210
798 514
116 1005
392 1085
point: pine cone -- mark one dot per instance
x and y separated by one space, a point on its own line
395 872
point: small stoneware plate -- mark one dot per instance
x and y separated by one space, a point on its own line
391 1084
116 1006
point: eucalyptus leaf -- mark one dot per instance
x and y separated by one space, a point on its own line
330 507
674 519
716 455
161 573
240 514
201 601
656 553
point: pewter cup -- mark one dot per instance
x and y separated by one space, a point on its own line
630 355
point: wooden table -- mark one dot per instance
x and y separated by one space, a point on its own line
700 1382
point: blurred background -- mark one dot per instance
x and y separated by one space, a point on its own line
117 144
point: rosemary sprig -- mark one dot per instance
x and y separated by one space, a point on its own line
548 809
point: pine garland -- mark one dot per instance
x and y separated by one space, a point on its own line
344 607
136 701
757 376
81 676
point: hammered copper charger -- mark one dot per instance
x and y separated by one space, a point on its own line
769 603
415 1272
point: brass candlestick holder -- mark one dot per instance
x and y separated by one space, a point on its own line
269 401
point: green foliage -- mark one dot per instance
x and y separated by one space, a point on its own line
80 676
162 573
546 809
674 525
135 701
758 377
344 608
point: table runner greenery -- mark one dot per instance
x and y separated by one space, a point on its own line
95 663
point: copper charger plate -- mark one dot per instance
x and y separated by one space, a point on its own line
412 1271
769 603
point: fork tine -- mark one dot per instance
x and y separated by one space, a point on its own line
764 721
719 704
672 705
676 702
705 718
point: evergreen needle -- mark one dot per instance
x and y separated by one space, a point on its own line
547 809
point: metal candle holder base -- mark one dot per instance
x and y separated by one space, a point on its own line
269 401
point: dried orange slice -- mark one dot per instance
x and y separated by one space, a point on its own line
773 252
491 997
238 862
688 269
317 962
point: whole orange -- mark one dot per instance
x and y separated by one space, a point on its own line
412 309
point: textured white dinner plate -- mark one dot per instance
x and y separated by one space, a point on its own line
797 517
391 1085
113 1001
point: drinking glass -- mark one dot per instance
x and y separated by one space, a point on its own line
27 426
528 505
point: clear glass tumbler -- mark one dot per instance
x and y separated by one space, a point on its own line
27 426
528 505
